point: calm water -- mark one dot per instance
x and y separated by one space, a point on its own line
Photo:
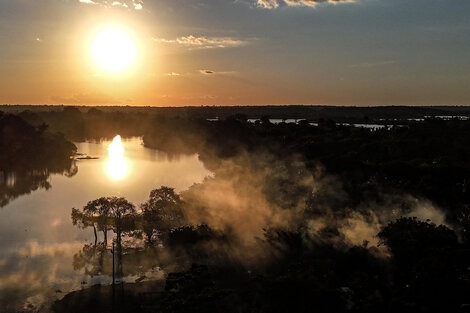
37 239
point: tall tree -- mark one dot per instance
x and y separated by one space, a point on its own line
161 212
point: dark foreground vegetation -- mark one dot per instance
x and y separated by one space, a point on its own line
422 267
295 218
28 155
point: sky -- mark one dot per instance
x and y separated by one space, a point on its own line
238 52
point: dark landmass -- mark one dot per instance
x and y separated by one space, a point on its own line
277 111
29 155
126 297
87 158
295 218
81 123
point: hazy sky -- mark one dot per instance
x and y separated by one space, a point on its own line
205 52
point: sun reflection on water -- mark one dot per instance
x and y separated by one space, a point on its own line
117 165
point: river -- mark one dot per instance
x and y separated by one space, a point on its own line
40 249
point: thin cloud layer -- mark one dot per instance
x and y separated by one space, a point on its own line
172 74
272 4
132 4
268 4
206 72
193 42
211 72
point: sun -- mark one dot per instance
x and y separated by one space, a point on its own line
113 50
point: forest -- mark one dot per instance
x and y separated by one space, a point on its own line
313 216
29 155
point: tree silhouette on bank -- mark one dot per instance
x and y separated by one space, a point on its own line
161 213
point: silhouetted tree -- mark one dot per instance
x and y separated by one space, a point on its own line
161 212
265 120
107 213
429 265
83 220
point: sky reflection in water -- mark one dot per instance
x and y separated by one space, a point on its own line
37 239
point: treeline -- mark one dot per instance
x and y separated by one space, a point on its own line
92 124
25 146
28 155
81 123
311 112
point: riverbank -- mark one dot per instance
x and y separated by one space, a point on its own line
128 297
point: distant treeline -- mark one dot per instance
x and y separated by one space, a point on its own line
95 121
80 123
93 124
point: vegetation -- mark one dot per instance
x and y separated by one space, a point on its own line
427 272
81 123
29 154
427 159
295 218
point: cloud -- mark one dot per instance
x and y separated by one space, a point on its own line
271 4
172 74
211 72
202 42
206 72
119 4
134 4
268 4
312 3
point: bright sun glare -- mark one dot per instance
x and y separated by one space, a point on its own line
113 50
117 165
